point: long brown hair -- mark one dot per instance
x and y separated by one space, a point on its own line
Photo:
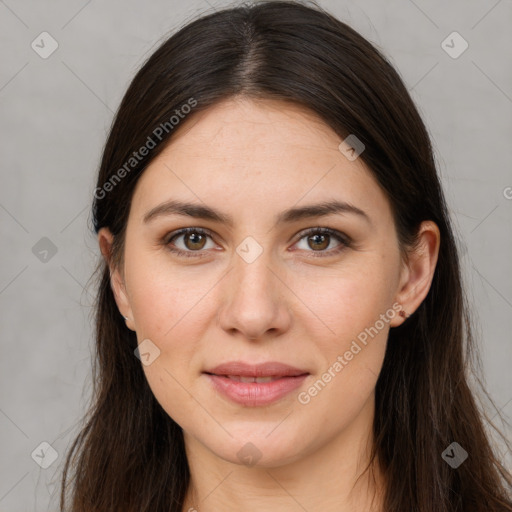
130 454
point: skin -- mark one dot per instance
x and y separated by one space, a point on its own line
252 160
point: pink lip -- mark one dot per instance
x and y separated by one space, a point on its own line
288 378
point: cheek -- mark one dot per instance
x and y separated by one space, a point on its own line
354 309
345 303
164 299
167 312
352 357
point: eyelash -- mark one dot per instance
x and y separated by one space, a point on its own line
342 238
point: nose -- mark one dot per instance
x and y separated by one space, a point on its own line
255 300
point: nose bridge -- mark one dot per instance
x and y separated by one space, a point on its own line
253 304
252 276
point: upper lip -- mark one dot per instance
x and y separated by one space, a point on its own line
269 369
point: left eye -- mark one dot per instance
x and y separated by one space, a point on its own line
318 239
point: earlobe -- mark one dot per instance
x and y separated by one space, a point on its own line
105 240
418 271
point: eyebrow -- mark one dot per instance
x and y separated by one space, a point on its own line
198 211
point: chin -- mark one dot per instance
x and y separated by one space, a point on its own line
265 451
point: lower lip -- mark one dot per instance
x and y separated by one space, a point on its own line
255 393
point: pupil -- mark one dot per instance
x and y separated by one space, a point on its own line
192 237
317 241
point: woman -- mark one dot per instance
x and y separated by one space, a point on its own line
281 323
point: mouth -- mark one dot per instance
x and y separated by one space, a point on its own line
255 385
259 380
271 369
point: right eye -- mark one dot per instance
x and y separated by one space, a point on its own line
195 237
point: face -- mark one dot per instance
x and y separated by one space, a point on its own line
318 293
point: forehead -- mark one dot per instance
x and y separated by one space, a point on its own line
264 155
224 120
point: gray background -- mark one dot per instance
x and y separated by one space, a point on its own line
55 114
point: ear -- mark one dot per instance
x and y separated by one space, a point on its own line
105 240
418 271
